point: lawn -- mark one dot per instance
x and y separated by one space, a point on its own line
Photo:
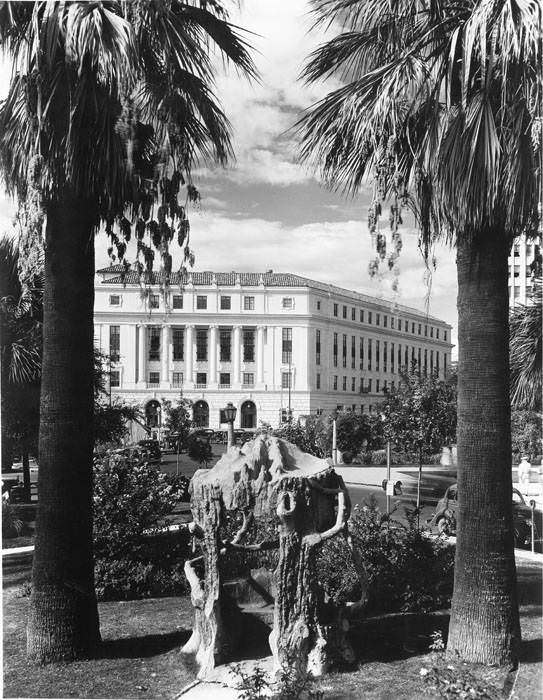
141 657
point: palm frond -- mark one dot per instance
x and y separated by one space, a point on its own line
526 339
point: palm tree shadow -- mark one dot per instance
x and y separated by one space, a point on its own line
531 651
138 647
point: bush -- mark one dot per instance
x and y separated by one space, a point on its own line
132 502
199 450
408 572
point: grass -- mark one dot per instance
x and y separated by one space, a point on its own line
141 656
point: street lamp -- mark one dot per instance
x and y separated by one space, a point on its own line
334 436
383 419
230 416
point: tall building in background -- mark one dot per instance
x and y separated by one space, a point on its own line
273 344
524 266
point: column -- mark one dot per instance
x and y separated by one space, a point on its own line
212 379
260 354
165 356
142 355
189 339
236 343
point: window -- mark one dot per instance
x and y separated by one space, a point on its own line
201 345
318 347
445 364
248 379
153 336
287 303
353 383
225 345
361 315
344 383
154 301
420 328
392 357
437 362
284 415
392 322
370 315
201 380
114 343
426 362
412 328
178 335
369 354
425 331
353 352
248 303
177 301
114 378
406 326
353 314
286 380
177 379
377 354
248 345
399 357
154 377
224 379
361 353
226 303
318 412
377 319
377 386
335 382
431 331
419 362
445 336
385 358
335 309
318 306
431 361
335 349
437 333
318 385
286 346
114 299
344 312
385 320
201 302
369 386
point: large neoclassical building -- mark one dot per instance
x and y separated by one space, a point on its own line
268 342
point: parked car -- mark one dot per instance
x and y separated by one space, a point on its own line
152 447
444 518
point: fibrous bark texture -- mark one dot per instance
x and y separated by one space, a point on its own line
269 476
63 619
484 621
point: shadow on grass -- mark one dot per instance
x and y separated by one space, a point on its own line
138 647
531 651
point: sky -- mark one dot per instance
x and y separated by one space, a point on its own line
265 211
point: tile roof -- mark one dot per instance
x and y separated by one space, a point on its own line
252 279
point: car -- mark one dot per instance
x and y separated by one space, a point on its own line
152 448
444 518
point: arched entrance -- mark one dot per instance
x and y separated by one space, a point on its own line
248 414
153 418
200 414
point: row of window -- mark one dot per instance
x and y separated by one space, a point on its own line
376 355
177 379
384 318
362 388
225 344
225 303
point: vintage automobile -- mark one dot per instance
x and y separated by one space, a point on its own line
444 518
152 449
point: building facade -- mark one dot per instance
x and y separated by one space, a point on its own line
269 343
524 266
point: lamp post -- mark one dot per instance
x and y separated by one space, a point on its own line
383 418
230 416
334 436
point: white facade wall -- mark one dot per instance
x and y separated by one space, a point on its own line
266 310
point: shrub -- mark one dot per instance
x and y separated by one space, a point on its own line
12 526
408 572
199 450
132 501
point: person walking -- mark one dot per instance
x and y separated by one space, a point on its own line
524 475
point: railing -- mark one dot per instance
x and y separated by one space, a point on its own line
225 386
151 385
201 386
248 386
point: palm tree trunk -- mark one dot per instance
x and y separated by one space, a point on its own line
484 618
63 621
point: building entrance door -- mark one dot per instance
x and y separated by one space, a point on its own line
248 414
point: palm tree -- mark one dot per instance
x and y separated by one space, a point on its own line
526 331
20 353
110 106
441 106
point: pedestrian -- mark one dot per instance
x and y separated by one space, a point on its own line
524 474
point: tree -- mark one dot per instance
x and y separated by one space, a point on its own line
525 340
177 418
526 434
20 319
109 108
440 106
420 416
